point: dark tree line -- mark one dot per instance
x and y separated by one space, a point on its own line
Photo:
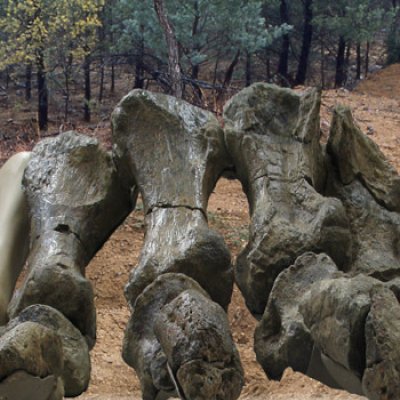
200 50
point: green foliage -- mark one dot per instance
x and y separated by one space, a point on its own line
33 28
393 38
205 29
357 21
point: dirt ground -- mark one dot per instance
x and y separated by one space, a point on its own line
375 104
109 271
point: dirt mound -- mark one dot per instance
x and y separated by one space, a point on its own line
384 83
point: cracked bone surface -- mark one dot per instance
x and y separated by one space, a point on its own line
346 323
76 201
179 343
340 329
175 153
281 338
355 324
273 135
369 187
47 347
178 337
14 223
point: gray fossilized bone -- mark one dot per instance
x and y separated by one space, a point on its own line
37 352
75 200
341 327
178 341
369 187
41 342
175 153
178 338
273 135
14 223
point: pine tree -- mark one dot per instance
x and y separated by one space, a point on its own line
33 31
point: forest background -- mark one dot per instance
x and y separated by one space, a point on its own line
61 60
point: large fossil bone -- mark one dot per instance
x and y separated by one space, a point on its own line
35 351
272 135
176 336
339 329
342 327
45 344
14 223
76 201
282 339
369 187
175 153
178 339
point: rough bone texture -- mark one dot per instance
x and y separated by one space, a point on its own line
341 326
34 350
357 157
142 349
273 137
194 334
76 201
282 338
175 153
74 368
166 338
382 332
366 184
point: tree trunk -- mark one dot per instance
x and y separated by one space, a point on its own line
174 68
227 81
367 60
101 84
112 86
196 88
101 32
28 82
88 95
322 65
196 67
306 45
43 95
67 75
340 76
358 71
111 23
248 69
139 70
348 54
7 77
283 66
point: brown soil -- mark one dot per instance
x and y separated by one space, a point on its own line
375 105
109 270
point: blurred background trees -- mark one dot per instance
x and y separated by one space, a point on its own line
202 50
